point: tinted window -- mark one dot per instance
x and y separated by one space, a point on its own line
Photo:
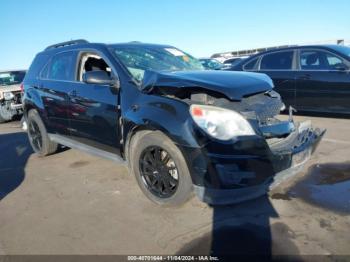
62 66
45 71
319 60
333 61
251 65
311 60
277 61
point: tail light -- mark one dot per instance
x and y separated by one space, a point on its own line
22 87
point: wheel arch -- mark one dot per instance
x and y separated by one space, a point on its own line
149 127
157 113
136 129
32 100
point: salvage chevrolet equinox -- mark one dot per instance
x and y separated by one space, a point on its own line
177 127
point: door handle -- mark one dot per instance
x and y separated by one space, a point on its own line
135 107
73 93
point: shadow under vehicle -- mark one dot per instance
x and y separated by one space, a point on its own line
16 151
177 126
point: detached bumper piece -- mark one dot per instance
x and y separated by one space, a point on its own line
285 158
297 148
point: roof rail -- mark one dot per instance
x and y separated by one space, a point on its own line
72 42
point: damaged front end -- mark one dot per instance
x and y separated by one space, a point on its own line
245 167
280 152
10 103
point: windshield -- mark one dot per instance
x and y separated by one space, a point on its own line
11 78
139 59
345 50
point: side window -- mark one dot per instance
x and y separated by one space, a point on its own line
334 61
92 62
319 60
277 61
45 71
311 60
62 66
251 65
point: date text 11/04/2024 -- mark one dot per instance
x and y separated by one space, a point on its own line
173 258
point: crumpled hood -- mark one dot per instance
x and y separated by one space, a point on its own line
10 88
234 85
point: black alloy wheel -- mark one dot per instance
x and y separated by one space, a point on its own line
35 136
159 172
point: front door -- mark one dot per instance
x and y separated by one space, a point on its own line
94 116
323 82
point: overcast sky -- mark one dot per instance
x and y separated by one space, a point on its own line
200 27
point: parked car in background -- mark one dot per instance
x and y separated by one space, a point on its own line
211 64
228 63
309 78
177 126
10 94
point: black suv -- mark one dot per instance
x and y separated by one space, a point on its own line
175 125
309 78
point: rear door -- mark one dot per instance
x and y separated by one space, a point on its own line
56 82
94 108
323 82
280 66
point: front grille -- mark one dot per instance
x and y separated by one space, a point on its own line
265 105
18 98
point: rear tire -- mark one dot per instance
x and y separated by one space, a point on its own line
38 136
158 165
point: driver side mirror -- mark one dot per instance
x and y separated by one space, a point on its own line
100 78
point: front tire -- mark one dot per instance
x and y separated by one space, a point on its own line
38 136
160 168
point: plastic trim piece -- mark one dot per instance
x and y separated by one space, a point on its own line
86 148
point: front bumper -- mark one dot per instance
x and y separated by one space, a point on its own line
221 177
16 106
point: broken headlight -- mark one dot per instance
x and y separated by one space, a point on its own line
220 123
8 95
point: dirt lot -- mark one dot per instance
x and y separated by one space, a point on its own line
73 203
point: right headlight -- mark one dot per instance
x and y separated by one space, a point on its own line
8 95
220 123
